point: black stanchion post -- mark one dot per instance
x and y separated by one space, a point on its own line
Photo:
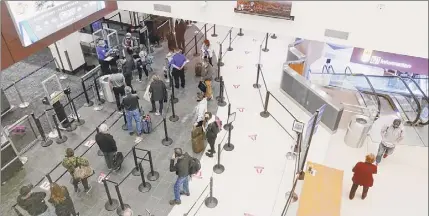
99 152
49 178
228 124
173 97
135 171
214 31
167 140
124 126
257 85
61 138
196 46
205 31
265 113
144 187
229 146
219 61
266 44
111 204
152 175
100 100
173 117
218 168
273 36
221 99
79 121
240 33
88 102
45 141
122 205
211 201
230 41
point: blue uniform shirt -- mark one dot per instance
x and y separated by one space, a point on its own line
178 59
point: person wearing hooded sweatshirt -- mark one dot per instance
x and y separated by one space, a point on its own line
132 111
128 42
213 127
391 135
200 110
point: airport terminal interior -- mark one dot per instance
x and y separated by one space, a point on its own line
263 123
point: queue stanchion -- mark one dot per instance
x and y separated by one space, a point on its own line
45 141
265 113
266 44
144 187
221 99
152 175
97 91
23 103
205 31
135 171
229 146
124 114
173 97
228 123
257 85
196 45
214 31
88 103
211 201
78 119
111 204
167 140
240 33
48 177
230 41
173 117
61 138
218 168
99 152
273 36
122 206
220 61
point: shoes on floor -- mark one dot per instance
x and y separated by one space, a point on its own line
175 202
152 111
131 133
157 113
212 151
183 193
209 154
88 190
385 156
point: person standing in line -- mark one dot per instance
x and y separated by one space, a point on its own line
158 89
213 127
362 176
181 167
207 51
117 82
391 135
107 145
141 65
33 203
200 110
132 111
128 68
70 162
178 62
180 29
61 200
206 77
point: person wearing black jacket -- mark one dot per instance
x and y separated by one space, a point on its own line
181 167
107 145
33 203
61 200
128 68
158 89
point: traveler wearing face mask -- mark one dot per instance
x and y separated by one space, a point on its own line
391 135
128 42
102 53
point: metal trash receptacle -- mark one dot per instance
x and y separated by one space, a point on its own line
107 91
357 131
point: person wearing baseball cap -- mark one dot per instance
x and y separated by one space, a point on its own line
32 202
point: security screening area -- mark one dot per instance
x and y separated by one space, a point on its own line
220 114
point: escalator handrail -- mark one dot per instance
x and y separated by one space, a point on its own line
424 96
333 71
350 70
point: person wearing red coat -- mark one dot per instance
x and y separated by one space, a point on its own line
362 176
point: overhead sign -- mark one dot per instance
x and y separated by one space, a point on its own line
275 9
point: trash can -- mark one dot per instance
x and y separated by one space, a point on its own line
105 87
357 131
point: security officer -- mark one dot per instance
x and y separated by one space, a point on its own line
102 52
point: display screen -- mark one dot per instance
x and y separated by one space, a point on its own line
35 20
275 9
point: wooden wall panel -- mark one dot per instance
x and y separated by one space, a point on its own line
18 52
6 58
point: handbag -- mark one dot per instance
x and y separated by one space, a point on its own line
202 86
147 94
81 171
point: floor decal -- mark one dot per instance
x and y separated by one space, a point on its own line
101 177
236 86
247 214
253 137
240 109
239 67
259 169
45 185
89 143
198 175
246 52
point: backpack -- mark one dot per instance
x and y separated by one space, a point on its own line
118 159
194 165
146 124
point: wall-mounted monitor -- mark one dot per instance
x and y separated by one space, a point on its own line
35 20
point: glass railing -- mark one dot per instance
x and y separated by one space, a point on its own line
418 87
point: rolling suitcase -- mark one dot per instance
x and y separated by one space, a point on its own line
117 160
197 137
198 69
146 124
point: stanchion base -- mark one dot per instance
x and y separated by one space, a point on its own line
124 127
89 104
240 34
80 122
218 98
218 168
175 100
214 35
145 188
273 36
174 118
294 196
228 147
135 172
100 153
119 210
196 54
167 141
221 103
24 105
217 79
264 114
221 64
230 49
101 101
211 202
72 127
61 140
113 206
265 49
46 143
227 126
301 176
256 86
153 177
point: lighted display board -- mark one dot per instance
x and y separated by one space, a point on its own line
35 20
275 9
